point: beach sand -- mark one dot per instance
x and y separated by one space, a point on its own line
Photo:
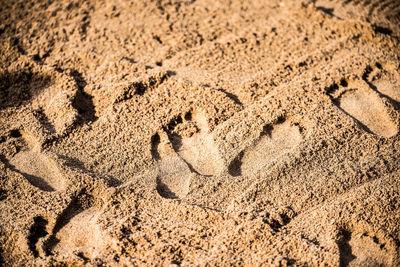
200 132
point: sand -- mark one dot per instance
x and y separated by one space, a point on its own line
192 133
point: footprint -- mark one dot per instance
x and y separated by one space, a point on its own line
198 149
384 79
364 249
364 106
174 175
274 142
76 229
174 178
37 168
389 89
63 104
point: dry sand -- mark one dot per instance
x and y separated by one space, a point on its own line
200 133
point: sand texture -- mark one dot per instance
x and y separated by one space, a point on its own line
200 133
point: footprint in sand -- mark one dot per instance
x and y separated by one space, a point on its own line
384 79
389 89
365 249
365 107
37 168
76 227
198 150
173 174
275 141
184 149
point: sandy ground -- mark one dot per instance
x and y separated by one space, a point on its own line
200 132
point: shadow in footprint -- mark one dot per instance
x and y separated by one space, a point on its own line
78 227
37 231
163 190
346 255
35 180
16 88
383 30
235 167
3 193
83 102
155 142
44 120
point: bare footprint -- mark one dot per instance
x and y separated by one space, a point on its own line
76 229
174 175
389 89
364 249
365 106
274 142
384 79
198 150
82 233
37 168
